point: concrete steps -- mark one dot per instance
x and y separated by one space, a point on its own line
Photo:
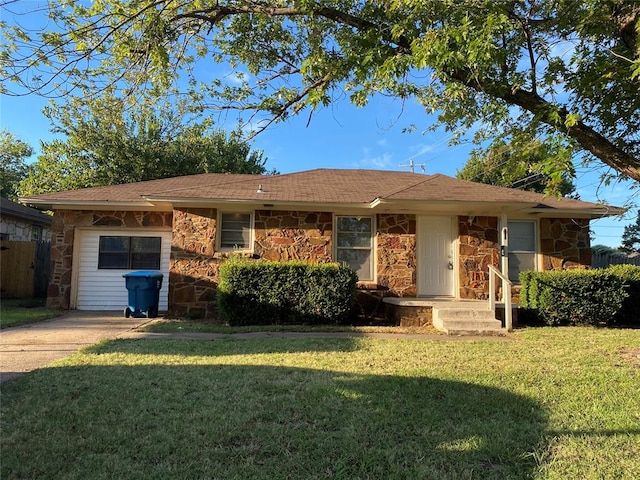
466 319
455 317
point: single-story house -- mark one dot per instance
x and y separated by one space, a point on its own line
22 223
413 235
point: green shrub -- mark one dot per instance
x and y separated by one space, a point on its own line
573 297
629 314
264 292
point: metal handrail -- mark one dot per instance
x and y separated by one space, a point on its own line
506 295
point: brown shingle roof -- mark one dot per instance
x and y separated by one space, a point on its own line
321 186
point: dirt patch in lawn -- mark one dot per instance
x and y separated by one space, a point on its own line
631 355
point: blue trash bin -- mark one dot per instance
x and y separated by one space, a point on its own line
144 293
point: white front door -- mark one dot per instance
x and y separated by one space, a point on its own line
435 256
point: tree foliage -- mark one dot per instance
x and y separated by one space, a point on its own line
536 166
559 69
13 168
631 237
105 143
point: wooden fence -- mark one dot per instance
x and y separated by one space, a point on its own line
24 269
603 260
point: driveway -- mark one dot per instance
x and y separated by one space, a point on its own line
29 347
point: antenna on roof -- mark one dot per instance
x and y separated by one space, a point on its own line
412 165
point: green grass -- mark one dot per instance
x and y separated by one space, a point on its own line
546 404
173 325
16 311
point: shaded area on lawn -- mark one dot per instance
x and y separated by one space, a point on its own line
252 421
21 311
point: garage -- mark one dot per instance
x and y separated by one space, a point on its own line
102 256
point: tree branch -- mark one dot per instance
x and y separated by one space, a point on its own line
585 135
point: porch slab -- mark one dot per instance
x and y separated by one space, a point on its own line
442 302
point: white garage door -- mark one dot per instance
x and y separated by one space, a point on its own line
100 288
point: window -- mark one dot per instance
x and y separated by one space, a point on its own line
36 233
522 248
129 253
235 231
354 244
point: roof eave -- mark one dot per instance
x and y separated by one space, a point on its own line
258 203
476 208
92 204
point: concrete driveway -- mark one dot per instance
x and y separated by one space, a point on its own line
29 347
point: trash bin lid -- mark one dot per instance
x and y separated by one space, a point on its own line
144 274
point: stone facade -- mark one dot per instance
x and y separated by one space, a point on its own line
279 236
308 236
62 235
396 254
478 248
15 229
288 235
564 243
193 270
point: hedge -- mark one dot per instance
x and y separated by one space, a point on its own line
573 297
266 292
629 314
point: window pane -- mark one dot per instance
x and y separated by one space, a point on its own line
36 232
113 260
235 231
232 239
358 260
354 224
354 240
113 253
522 237
114 244
145 261
520 262
121 252
145 244
353 244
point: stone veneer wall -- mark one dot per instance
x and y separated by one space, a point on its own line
62 236
478 248
564 243
279 235
193 269
396 254
15 229
288 235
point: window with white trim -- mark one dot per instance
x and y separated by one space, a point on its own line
354 244
522 248
129 253
235 230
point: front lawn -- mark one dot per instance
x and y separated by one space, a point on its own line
544 403
175 325
20 311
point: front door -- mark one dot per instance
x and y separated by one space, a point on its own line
435 256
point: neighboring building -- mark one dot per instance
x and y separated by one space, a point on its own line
410 234
18 222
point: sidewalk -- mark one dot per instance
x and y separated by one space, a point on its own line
385 336
26 348
29 347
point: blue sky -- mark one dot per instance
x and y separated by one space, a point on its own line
343 136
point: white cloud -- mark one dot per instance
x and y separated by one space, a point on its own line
377 162
236 78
